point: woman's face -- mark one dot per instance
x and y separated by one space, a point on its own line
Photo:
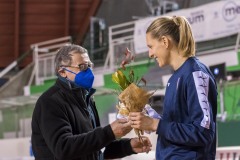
158 49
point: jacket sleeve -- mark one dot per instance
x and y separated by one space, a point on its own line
57 132
200 95
118 149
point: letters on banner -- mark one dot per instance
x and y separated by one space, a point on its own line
208 22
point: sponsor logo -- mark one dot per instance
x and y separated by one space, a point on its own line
230 11
196 17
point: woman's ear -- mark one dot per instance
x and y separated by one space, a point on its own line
165 41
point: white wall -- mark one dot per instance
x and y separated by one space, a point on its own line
143 156
17 147
229 57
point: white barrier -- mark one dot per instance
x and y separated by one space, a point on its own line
228 153
18 158
141 156
19 149
14 149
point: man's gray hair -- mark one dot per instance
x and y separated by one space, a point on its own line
64 56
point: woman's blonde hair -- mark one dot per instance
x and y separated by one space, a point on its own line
178 28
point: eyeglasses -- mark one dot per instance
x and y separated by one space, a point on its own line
81 67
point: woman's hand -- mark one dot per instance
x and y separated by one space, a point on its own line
140 121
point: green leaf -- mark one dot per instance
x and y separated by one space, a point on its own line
119 78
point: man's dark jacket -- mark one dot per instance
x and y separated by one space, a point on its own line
62 128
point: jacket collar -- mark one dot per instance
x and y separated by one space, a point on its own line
71 86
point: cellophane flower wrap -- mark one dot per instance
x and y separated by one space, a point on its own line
132 97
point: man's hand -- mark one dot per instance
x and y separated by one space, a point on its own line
121 127
138 147
140 121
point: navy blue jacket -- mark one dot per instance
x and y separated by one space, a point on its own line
187 130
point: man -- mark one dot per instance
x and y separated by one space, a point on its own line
65 122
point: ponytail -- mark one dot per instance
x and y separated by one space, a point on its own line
186 42
178 29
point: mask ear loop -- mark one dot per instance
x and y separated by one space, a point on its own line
68 70
68 80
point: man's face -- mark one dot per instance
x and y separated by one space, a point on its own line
77 60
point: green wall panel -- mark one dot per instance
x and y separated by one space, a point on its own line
12 116
41 88
105 103
236 67
231 94
228 133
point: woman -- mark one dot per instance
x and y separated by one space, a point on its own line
186 129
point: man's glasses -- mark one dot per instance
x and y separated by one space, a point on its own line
81 67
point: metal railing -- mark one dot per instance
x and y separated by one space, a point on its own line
120 37
43 56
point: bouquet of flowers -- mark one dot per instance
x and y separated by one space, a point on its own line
132 97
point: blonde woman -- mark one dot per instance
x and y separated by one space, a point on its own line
186 130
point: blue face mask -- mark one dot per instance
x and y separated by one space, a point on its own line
84 78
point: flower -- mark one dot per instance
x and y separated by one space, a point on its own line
119 77
132 97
